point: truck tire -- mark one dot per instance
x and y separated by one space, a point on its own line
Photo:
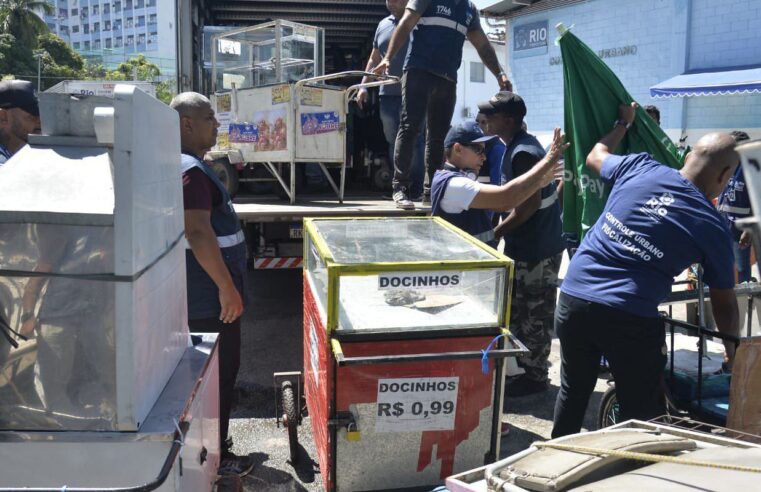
227 174
608 412
290 418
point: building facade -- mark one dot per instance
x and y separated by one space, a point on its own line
645 43
112 31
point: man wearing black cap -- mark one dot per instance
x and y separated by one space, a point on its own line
459 198
19 116
533 238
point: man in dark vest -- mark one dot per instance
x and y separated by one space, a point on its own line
215 260
533 238
462 200
429 83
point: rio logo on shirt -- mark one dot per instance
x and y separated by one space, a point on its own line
657 206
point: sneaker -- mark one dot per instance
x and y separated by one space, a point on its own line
426 197
235 465
403 200
523 386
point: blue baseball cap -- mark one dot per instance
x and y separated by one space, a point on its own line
466 134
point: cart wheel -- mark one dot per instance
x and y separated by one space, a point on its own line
608 413
382 178
290 418
227 174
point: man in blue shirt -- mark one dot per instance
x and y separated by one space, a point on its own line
391 95
734 204
19 116
657 222
532 233
429 83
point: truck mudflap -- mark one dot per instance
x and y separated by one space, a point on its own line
277 263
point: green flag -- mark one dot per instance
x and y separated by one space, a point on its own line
592 96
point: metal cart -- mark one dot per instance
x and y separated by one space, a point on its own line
274 107
404 347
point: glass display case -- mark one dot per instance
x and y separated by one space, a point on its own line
270 53
405 274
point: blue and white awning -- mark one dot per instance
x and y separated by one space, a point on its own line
714 83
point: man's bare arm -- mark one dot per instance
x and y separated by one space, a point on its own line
726 316
486 52
518 190
609 142
398 39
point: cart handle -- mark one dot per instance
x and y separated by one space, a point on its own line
390 79
699 330
519 351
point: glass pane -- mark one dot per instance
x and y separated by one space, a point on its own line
422 300
395 240
318 275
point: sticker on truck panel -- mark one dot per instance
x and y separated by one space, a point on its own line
281 94
416 404
310 97
419 280
243 133
317 123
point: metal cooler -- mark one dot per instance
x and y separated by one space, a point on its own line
397 316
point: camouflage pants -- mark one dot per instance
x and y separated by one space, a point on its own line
533 312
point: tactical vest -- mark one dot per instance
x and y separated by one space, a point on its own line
475 222
540 237
436 44
203 294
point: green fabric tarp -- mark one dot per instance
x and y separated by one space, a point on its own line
593 94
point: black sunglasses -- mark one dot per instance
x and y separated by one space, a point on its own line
476 148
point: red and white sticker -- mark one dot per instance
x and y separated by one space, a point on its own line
277 263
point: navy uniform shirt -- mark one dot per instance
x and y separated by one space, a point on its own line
655 224
437 40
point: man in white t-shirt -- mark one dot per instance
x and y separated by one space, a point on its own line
459 198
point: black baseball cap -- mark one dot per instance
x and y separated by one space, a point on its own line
466 134
504 102
19 94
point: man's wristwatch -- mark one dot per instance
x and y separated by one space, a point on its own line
623 123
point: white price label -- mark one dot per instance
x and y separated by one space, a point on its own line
416 404
419 280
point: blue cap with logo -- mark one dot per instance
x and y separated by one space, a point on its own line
466 134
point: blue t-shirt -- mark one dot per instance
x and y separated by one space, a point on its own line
734 202
655 224
383 34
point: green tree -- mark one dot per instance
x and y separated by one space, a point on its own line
19 18
60 52
15 58
138 65
140 68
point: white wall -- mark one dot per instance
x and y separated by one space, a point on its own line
469 94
